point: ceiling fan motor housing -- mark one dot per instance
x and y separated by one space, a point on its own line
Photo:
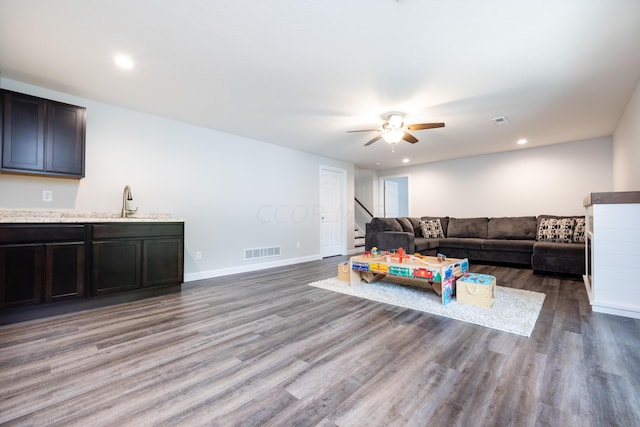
395 121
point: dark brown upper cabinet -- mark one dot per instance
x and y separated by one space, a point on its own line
41 137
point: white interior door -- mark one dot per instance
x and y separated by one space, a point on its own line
393 196
331 206
391 199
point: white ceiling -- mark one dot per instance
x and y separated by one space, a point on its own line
302 73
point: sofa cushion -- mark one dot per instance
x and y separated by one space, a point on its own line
423 244
513 245
515 227
468 227
385 224
444 222
460 243
392 240
578 232
560 250
558 230
406 225
560 265
566 258
415 222
432 229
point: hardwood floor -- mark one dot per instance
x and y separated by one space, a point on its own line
266 349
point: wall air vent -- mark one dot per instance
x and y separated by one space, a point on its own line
268 252
500 121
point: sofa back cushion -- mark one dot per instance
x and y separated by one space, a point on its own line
406 225
513 227
415 222
385 224
468 227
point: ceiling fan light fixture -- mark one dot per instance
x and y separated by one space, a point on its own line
393 136
394 130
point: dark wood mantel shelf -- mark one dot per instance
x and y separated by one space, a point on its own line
615 197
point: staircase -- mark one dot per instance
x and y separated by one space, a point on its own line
362 217
359 237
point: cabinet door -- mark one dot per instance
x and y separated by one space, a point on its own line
23 132
64 272
162 261
65 139
115 266
21 269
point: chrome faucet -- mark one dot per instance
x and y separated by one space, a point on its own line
126 198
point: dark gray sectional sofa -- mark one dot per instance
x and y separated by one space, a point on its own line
546 243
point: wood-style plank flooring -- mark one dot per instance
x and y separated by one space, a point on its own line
266 349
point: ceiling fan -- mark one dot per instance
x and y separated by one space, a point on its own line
393 130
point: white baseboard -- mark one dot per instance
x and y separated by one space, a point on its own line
618 311
190 277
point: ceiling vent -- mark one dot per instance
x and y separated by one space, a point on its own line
500 121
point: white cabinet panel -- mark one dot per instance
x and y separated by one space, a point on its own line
612 279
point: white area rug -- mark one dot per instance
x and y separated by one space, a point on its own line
514 310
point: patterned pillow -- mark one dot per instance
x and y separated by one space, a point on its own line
432 229
578 233
556 230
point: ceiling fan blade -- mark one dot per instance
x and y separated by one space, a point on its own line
409 138
373 140
420 126
364 130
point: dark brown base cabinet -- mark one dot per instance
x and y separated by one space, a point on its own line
36 266
21 280
64 270
44 263
133 256
162 261
115 266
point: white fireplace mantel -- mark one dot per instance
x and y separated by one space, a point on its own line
612 255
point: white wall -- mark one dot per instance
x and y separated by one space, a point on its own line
234 193
545 180
626 147
365 187
402 196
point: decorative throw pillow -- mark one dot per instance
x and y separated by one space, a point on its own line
578 233
432 229
556 230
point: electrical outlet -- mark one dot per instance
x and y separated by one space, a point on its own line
47 196
198 255
298 245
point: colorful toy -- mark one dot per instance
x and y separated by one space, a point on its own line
436 273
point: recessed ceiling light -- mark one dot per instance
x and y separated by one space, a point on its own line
405 160
124 61
522 141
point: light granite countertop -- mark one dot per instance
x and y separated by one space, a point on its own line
68 216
